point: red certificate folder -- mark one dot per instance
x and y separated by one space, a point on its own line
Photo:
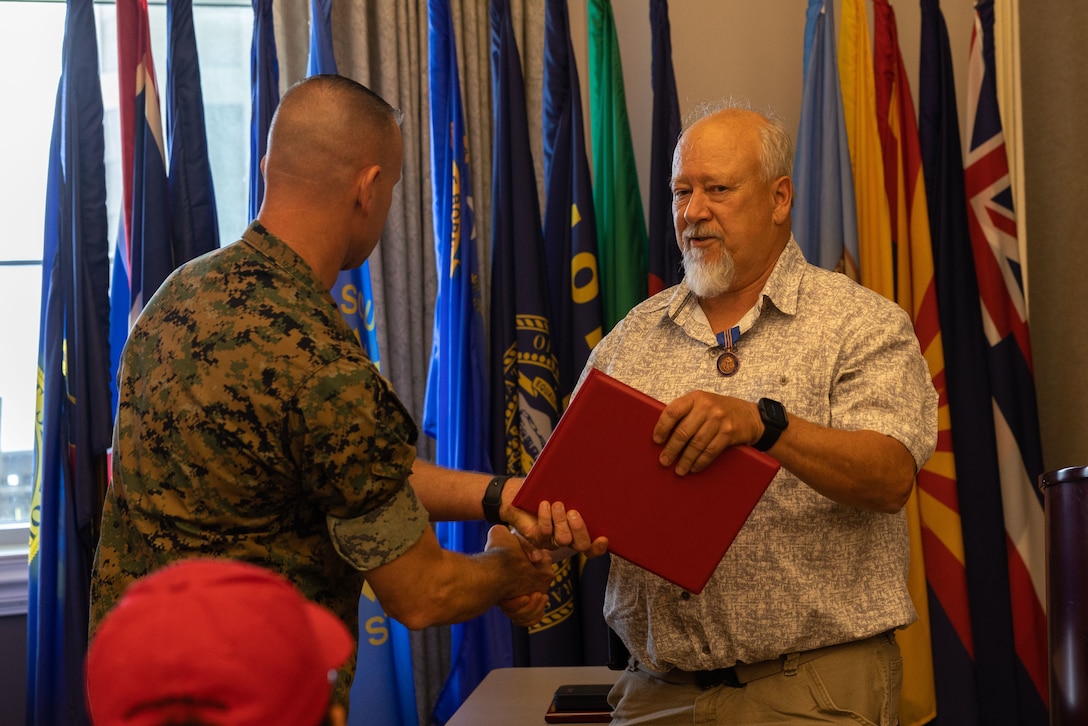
602 461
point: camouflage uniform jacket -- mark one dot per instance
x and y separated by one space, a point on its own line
251 425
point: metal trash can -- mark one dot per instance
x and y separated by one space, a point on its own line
1065 497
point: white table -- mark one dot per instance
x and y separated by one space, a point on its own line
521 696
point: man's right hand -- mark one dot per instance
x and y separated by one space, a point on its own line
529 569
553 527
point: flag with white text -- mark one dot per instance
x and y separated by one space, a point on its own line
456 406
352 292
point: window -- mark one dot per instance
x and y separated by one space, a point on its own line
31 39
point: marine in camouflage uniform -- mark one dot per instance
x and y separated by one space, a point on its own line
252 426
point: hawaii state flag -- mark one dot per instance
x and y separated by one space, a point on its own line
144 255
1020 653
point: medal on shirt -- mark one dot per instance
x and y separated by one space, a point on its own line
728 363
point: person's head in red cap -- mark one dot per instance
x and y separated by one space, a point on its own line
214 642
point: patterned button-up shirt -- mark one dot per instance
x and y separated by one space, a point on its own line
805 571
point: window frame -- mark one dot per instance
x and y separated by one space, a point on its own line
15 537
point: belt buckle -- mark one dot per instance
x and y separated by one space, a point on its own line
711 679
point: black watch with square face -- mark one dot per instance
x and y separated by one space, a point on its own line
775 422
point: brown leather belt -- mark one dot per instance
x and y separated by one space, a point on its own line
736 676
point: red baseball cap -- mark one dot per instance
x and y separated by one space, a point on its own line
219 640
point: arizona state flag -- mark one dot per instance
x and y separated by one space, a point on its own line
856 77
933 509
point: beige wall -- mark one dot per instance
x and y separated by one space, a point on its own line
1055 94
753 49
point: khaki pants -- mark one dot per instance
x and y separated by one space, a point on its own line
856 683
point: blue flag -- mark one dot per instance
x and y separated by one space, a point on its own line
194 224
524 372
824 216
384 688
74 419
570 223
352 292
570 244
455 410
264 80
663 261
525 401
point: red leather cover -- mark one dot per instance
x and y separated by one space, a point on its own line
602 461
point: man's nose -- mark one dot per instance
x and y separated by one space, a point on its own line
696 208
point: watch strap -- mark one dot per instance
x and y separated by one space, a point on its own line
773 426
492 501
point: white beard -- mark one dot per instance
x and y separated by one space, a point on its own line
708 279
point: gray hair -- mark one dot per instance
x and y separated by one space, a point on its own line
776 154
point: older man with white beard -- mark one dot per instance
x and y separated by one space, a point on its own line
758 347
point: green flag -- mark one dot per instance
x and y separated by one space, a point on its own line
621 226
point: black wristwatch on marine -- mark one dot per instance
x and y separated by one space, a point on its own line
775 422
493 499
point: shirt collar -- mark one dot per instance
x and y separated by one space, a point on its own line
782 288
282 255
